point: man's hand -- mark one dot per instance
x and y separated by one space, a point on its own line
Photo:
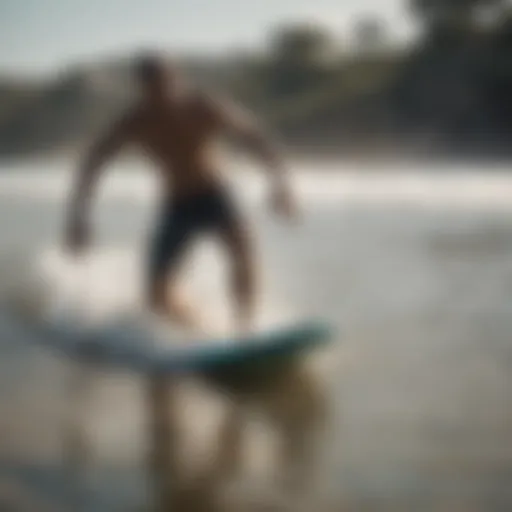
283 203
77 237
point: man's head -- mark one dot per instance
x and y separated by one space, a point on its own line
155 75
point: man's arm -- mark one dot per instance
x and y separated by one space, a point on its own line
88 173
246 129
243 126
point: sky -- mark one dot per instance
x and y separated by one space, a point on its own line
40 36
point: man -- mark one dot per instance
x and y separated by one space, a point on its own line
177 128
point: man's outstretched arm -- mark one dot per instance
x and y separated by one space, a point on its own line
87 176
249 132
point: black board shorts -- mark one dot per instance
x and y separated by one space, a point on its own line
181 219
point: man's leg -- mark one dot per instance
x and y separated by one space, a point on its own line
167 254
166 300
237 240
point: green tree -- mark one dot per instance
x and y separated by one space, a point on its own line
302 43
299 57
453 13
369 34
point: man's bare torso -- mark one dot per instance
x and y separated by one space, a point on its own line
178 136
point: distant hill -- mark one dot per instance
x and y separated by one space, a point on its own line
448 94
47 117
56 115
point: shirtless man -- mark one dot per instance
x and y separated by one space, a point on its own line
176 128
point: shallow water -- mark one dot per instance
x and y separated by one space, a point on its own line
414 267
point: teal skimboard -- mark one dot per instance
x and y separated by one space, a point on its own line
200 356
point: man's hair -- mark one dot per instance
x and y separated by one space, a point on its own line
148 67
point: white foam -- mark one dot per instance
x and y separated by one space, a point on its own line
102 291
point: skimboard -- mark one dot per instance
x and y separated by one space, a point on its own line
198 357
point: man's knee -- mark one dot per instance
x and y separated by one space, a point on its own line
244 274
156 294
167 299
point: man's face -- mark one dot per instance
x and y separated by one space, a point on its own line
158 79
